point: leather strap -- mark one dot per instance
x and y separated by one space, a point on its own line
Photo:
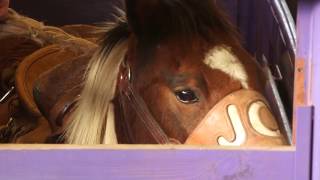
242 118
137 103
260 128
146 117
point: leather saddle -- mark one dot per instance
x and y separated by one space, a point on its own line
45 82
57 90
33 50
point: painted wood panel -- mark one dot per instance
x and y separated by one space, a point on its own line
81 164
66 162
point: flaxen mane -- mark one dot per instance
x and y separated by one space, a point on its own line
93 120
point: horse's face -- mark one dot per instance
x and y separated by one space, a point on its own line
190 81
185 78
187 65
180 83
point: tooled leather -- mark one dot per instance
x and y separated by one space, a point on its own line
217 123
37 64
59 87
63 106
17 46
15 49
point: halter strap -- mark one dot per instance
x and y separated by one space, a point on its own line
146 117
139 106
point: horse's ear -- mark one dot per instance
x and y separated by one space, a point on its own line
142 14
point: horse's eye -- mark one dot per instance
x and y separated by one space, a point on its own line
187 96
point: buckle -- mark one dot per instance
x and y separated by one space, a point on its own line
125 77
125 72
7 94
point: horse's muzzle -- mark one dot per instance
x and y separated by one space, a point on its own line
241 118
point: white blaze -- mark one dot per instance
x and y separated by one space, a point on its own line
222 58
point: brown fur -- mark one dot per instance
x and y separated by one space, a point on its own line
169 61
171 56
167 42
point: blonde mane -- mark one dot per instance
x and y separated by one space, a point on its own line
94 112
92 121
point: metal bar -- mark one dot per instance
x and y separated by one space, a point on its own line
286 23
278 107
7 94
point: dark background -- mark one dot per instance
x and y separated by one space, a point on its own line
61 12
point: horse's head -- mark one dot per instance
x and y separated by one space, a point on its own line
189 76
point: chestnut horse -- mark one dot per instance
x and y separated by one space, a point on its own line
173 71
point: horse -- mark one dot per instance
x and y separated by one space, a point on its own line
172 72
165 72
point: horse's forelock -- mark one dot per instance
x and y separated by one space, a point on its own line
159 19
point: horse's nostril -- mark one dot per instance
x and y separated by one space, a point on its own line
187 96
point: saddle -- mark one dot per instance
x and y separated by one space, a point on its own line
32 50
40 64
57 90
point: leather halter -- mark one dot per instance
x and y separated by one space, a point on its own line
137 103
241 118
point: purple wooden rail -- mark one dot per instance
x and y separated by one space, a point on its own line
146 164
